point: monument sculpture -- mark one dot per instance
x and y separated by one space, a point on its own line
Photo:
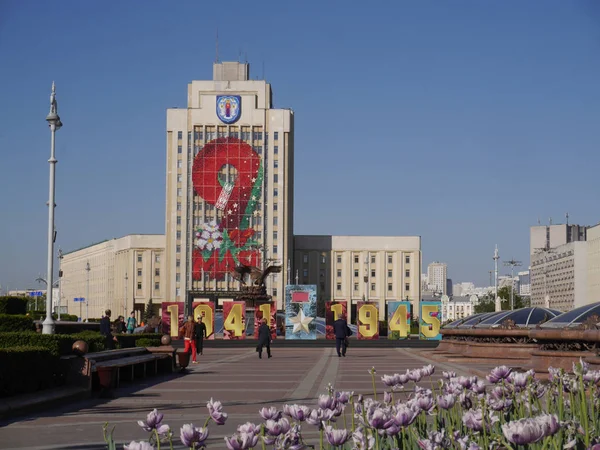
252 280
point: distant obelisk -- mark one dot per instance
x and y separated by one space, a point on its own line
496 298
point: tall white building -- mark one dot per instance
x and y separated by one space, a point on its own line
437 274
230 165
593 264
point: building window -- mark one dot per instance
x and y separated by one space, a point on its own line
178 292
179 135
355 259
305 272
274 235
339 273
177 278
178 220
276 135
275 192
156 286
389 259
407 287
407 273
178 263
389 287
275 207
372 259
274 249
372 286
356 273
407 259
139 257
390 274
179 163
179 192
139 286
157 272
275 221
276 163
356 286
339 287
178 249
157 258
323 259
178 235
339 259
179 177
178 206
372 273
275 178
276 149
274 292
305 259
139 272
179 149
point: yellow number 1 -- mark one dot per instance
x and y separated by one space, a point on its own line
234 321
337 309
265 308
173 311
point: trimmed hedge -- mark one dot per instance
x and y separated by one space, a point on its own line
27 369
13 305
57 344
14 322
63 317
145 342
130 340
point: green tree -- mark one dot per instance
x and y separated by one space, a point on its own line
149 313
489 305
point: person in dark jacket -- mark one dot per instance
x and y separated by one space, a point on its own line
120 325
342 332
105 330
264 338
200 335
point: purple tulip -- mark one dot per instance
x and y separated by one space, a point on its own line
428 370
269 440
193 437
581 368
473 419
446 401
387 397
388 380
215 409
500 404
523 431
343 397
466 382
425 403
465 400
153 422
138 446
298 412
327 402
403 378
363 440
592 376
248 428
499 373
404 416
379 418
549 423
277 427
448 375
415 375
336 437
479 387
241 441
270 413
519 379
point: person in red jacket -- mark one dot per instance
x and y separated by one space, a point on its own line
188 330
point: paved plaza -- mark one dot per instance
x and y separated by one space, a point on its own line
237 377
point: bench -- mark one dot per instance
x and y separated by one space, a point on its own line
131 361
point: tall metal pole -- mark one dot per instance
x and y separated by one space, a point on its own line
126 278
512 263
496 298
54 122
87 292
60 256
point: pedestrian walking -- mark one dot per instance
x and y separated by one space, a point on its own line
131 323
105 330
264 338
342 332
188 330
200 335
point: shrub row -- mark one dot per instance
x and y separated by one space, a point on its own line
37 315
57 344
146 342
14 322
27 369
13 305
131 340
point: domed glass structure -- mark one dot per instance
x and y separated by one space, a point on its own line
474 320
523 317
456 323
574 317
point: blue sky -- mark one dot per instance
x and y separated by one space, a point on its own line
460 121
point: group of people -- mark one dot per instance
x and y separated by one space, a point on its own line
122 327
193 334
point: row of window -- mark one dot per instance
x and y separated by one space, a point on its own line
156 286
140 258
373 273
373 287
256 135
356 259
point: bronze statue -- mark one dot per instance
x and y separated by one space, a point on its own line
257 276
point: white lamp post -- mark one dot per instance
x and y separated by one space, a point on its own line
54 122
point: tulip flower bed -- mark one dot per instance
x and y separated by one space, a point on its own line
511 411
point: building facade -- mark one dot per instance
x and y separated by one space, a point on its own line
124 274
524 283
358 268
559 277
457 307
229 186
437 274
546 237
593 264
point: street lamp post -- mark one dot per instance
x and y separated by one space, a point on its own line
126 278
54 122
87 292
60 256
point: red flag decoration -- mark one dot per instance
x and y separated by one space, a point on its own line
300 297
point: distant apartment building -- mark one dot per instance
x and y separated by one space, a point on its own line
546 237
524 283
437 275
593 264
457 307
357 268
559 277
117 274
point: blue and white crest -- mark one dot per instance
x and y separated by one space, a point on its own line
229 108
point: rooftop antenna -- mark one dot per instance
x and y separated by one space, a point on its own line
550 220
539 221
217 47
246 56
512 263
567 216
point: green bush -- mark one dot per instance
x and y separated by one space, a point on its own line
13 305
68 317
37 315
130 340
27 369
57 344
14 322
145 342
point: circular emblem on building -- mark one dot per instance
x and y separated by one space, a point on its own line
229 108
